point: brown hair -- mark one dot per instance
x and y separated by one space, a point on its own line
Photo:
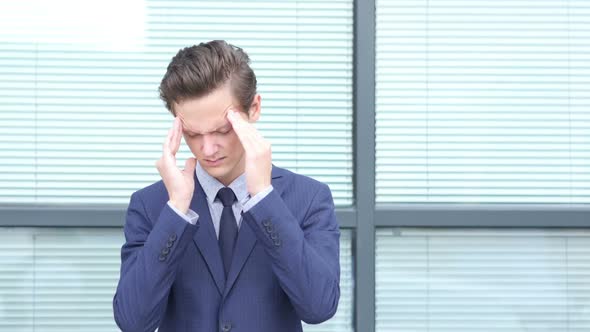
198 70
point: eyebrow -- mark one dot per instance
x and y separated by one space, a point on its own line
222 127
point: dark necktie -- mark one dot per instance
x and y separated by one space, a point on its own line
228 228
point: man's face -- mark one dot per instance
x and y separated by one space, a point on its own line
210 136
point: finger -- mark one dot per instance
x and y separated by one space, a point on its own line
175 141
245 126
189 165
242 128
235 119
245 137
232 117
253 146
251 140
166 144
250 136
254 133
178 137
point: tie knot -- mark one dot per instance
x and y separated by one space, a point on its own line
226 196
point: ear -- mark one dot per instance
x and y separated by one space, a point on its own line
254 111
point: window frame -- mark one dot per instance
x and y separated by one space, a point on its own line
364 217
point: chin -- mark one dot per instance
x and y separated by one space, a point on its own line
218 172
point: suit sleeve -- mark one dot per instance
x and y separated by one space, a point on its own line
150 259
305 257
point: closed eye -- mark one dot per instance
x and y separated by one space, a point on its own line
224 131
221 131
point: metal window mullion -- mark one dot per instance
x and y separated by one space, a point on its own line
364 159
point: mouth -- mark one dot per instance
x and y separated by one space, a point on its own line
214 162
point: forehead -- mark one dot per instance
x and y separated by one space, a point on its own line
205 114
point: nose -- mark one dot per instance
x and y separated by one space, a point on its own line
209 146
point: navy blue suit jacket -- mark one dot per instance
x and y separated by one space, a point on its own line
285 267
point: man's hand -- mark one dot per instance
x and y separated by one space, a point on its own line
258 153
179 183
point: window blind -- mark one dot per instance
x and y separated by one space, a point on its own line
501 280
342 320
80 117
64 280
58 279
482 101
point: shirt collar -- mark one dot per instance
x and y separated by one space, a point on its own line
211 185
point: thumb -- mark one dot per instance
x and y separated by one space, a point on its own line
190 164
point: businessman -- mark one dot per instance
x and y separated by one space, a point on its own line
230 242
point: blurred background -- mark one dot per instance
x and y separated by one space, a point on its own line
454 135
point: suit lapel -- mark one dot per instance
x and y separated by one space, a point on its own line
205 237
246 242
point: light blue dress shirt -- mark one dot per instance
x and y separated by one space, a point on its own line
211 186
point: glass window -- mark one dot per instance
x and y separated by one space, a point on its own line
64 280
482 101
80 117
506 280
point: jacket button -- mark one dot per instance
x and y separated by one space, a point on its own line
169 244
172 238
226 327
162 258
165 251
266 223
277 242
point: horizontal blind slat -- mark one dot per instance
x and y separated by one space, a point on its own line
472 93
85 107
